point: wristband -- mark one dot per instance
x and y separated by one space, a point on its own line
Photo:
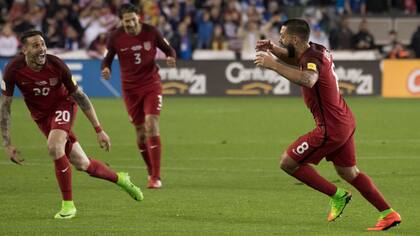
98 129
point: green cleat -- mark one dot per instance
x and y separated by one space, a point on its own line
68 210
125 183
338 202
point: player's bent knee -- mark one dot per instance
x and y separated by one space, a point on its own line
56 150
348 173
285 163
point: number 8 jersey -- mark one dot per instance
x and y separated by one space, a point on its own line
44 90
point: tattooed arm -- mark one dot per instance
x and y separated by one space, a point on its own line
306 78
5 107
84 103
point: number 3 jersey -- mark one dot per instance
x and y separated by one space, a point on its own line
44 90
136 55
324 99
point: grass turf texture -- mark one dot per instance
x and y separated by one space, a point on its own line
220 172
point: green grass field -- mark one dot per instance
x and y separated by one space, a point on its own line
220 172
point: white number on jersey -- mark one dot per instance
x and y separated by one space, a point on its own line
62 116
160 102
41 91
137 58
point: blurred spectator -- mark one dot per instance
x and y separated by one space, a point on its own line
164 27
249 36
90 18
318 36
20 25
97 49
386 49
363 40
398 51
218 41
150 11
415 42
54 37
410 7
341 36
355 7
72 39
205 30
271 29
216 15
8 42
183 42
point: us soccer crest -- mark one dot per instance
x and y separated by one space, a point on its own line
53 81
147 45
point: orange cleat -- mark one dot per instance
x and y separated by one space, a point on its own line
389 221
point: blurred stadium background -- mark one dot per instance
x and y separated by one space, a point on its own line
220 152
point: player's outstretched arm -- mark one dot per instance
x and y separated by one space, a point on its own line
5 120
306 78
84 103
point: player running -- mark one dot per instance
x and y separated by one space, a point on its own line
51 96
136 43
335 125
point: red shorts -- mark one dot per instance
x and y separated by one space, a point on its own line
315 145
61 118
145 102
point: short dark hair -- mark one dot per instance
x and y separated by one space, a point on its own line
30 33
127 8
298 27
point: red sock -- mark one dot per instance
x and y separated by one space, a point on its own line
369 191
145 154
63 174
154 147
99 170
308 175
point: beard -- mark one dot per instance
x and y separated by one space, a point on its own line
291 51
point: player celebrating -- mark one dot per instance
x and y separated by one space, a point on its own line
333 136
51 96
135 44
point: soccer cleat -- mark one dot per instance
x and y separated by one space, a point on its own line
68 210
125 183
389 221
338 205
154 183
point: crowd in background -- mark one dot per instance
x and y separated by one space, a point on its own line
202 24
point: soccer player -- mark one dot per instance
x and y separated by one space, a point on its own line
135 43
333 137
51 97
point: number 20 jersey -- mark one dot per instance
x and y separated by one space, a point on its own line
44 90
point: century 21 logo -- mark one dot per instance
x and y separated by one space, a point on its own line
413 82
255 81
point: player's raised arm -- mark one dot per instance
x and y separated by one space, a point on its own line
85 104
306 78
280 52
5 121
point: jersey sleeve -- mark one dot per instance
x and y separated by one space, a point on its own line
311 63
163 44
8 82
109 57
66 76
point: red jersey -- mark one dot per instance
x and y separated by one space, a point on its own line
324 99
43 90
136 55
